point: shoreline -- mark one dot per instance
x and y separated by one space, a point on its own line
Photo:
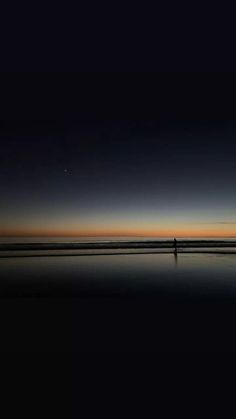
99 245
115 254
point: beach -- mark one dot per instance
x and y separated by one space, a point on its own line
109 303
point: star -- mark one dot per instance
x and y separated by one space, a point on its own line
67 172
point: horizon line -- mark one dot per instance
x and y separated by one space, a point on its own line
119 235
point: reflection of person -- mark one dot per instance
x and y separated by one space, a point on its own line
176 257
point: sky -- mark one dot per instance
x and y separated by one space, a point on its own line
93 172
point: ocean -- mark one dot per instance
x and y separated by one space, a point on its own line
118 302
83 239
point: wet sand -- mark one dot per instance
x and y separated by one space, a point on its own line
119 303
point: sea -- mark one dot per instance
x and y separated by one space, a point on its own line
134 301
86 239
119 270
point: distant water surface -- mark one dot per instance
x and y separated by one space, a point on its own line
82 239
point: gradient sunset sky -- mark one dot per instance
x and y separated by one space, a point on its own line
140 165
120 181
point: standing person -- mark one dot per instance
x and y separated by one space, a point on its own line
175 245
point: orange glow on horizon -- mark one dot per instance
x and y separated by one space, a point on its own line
118 233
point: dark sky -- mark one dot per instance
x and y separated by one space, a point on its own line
118 153
163 36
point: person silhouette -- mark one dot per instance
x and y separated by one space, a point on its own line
175 245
